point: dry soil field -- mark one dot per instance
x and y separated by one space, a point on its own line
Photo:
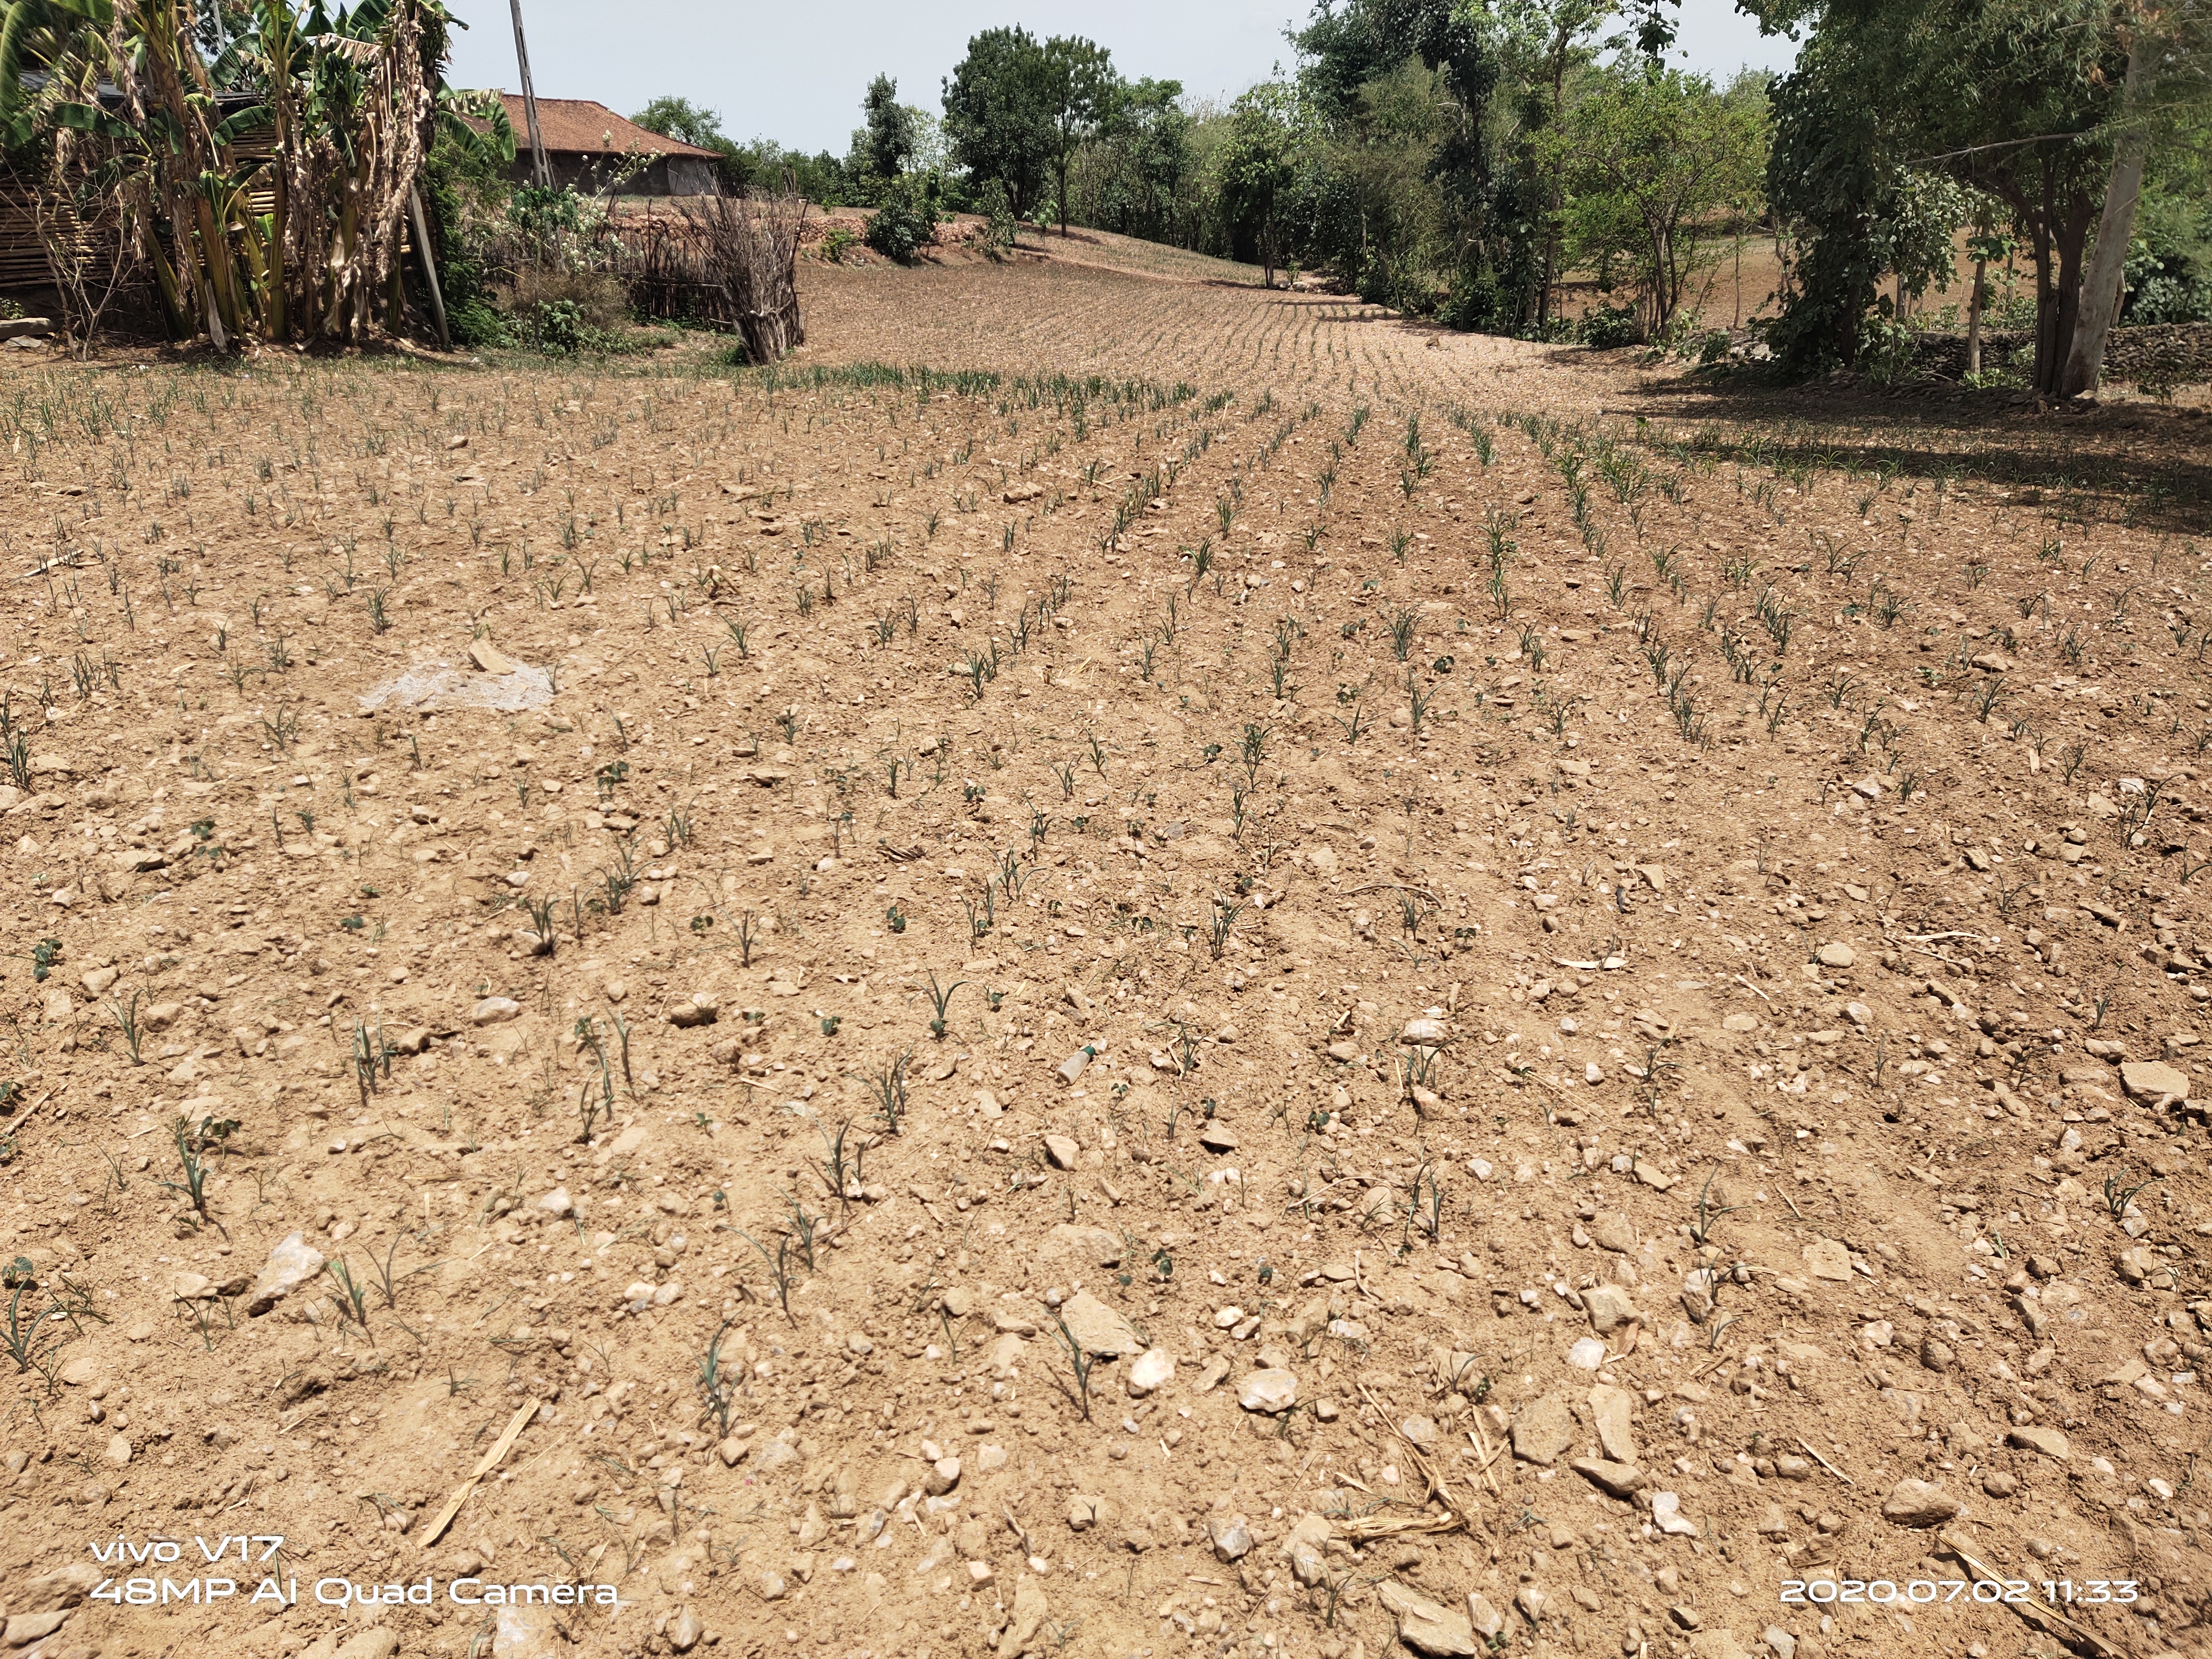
1217 977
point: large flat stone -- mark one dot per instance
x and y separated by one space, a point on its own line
1916 1503
1610 1307
1097 1327
1094 1245
1428 1627
1543 1429
2035 1437
2154 1081
1304 1549
1030 1613
1618 1480
1613 1409
1272 1390
1612 1230
1825 1258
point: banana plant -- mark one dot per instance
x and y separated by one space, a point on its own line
131 120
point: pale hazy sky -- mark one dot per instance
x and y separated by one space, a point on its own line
794 72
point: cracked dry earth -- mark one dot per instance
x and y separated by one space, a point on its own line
1219 980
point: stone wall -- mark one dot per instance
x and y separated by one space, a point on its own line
2176 353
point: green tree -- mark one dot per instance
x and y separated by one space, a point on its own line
1257 164
1000 116
2166 96
1552 40
885 145
2015 98
1079 87
1134 175
1420 183
1649 156
685 122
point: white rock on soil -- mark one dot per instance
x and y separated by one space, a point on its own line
1272 1390
1620 1480
1303 1548
1587 1355
1030 1613
1825 1258
527 1632
1612 1412
1544 1428
26 1628
290 1265
1153 1370
1610 1307
1232 1538
2034 1436
1485 1619
2154 1082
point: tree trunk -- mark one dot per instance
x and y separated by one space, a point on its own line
1974 306
2100 293
2069 233
2047 343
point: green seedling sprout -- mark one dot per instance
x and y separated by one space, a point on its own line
940 999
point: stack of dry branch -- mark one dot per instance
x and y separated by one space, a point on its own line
751 244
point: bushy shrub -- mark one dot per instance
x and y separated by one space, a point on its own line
1477 302
461 191
1001 227
1607 326
905 221
2171 297
560 311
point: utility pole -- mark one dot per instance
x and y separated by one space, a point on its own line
544 173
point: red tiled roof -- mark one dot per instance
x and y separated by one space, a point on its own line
580 124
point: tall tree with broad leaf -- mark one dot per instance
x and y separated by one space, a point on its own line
2164 97
1080 86
1000 114
1649 155
1258 164
2022 101
886 143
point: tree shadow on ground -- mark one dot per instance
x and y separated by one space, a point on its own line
2135 463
